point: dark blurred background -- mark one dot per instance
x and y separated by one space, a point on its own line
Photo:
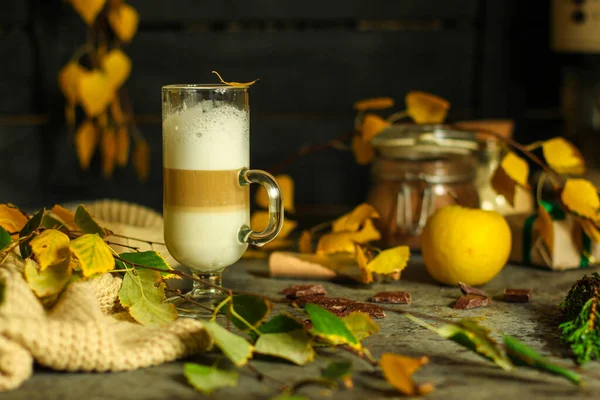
314 58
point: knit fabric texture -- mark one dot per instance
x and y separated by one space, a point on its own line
85 330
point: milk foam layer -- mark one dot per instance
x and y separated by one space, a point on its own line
205 241
210 135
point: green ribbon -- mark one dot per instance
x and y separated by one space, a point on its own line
584 261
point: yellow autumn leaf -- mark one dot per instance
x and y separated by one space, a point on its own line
65 216
117 67
376 103
85 143
286 185
590 229
260 220
305 242
372 125
123 141
366 276
108 149
123 20
95 92
344 242
70 116
12 219
93 254
352 221
88 10
116 112
516 168
50 247
581 197
398 371
47 282
363 151
68 81
242 84
563 157
426 108
390 261
546 227
140 157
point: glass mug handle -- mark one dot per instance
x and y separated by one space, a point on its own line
246 234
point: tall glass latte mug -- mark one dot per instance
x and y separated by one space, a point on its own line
206 156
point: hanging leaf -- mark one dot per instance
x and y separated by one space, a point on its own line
234 347
150 259
372 125
31 225
93 254
376 103
95 92
234 83
49 282
85 220
88 10
124 20
520 354
109 152
362 150
546 227
143 293
590 229
398 371
426 108
366 276
12 219
123 141
341 370
361 325
5 238
117 67
352 221
286 185
65 216
68 81
294 346
329 328
390 261
251 308
581 197
70 117
50 247
516 168
208 379
116 112
563 157
344 242
141 159
85 143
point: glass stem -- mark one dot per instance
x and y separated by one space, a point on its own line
200 290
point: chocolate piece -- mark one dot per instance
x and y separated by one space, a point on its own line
471 301
333 304
466 289
392 298
295 291
373 310
517 295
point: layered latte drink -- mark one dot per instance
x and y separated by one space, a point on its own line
205 145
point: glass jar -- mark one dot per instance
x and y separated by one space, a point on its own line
418 169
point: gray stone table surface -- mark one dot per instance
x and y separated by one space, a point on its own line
455 372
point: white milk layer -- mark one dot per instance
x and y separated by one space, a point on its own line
205 241
210 135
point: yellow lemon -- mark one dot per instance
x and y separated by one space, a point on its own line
465 245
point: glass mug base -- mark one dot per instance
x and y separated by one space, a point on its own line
201 301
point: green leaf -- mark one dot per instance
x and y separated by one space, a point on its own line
253 309
31 225
520 354
236 348
208 379
93 254
281 323
49 222
143 293
328 327
294 346
337 370
49 282
149 258
475 337
289 396
85 220
5 238
361 325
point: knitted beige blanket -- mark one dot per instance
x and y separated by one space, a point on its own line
84 331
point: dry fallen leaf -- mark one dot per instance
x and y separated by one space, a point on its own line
241 84
140 158
109 152
117 67
398 371
353 220
123 20
546 227
260 220
65 216
372 125
344 242
581 197
68 80
12 219
363 151
563 157
376 103
123 141
286 185
426 108
85 143
95 92
88 9
390 262
305 242
362 260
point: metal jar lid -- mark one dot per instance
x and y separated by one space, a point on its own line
410 141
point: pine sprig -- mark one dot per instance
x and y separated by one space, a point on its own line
580 327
